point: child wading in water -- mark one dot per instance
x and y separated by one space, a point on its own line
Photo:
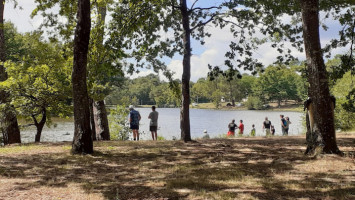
252 133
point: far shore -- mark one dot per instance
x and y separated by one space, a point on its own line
290 107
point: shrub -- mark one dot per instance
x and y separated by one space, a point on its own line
119 125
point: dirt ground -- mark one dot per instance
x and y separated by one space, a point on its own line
238 168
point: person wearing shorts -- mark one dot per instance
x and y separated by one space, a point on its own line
231 128
153 126
283 125
267 126
134 118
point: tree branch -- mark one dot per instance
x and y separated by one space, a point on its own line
193 4
174 6
198 8
203 23
35 120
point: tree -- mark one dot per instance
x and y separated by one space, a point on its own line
322 114
104 69
99 60
82 142
39 82
277 83
134 19
8 120
321 130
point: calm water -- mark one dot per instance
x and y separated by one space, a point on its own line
214 121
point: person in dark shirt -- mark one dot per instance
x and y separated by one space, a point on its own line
283 125
231 128
134 118
267 126
272 129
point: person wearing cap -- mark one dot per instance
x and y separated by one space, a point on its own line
205 136
153 126
134 118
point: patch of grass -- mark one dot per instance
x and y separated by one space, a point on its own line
18 148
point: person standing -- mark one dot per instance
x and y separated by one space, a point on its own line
252 133
283 125
267 126
231 128
153 126
205 136
241 128
288 122
134 118
272 129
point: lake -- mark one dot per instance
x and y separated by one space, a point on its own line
214 121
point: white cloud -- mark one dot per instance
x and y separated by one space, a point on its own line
21 17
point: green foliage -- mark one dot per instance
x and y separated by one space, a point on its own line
118 122
344 119
277 83
200 91
13 43
161 138
53 13
104 64
40 80
216 96
254 103
148 90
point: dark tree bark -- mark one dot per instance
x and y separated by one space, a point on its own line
321 108
101 121
186 75
8 122
92 119
82 142
40 125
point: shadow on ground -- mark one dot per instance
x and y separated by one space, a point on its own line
241 168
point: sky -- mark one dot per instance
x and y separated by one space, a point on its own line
211 53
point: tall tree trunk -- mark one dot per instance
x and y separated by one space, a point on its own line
92 119
100 115
185 82
82 142
8 122
40 125
231 94
322 113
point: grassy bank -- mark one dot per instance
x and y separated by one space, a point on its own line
240 168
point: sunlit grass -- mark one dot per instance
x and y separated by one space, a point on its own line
18 148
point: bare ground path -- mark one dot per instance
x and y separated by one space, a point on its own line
240 168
